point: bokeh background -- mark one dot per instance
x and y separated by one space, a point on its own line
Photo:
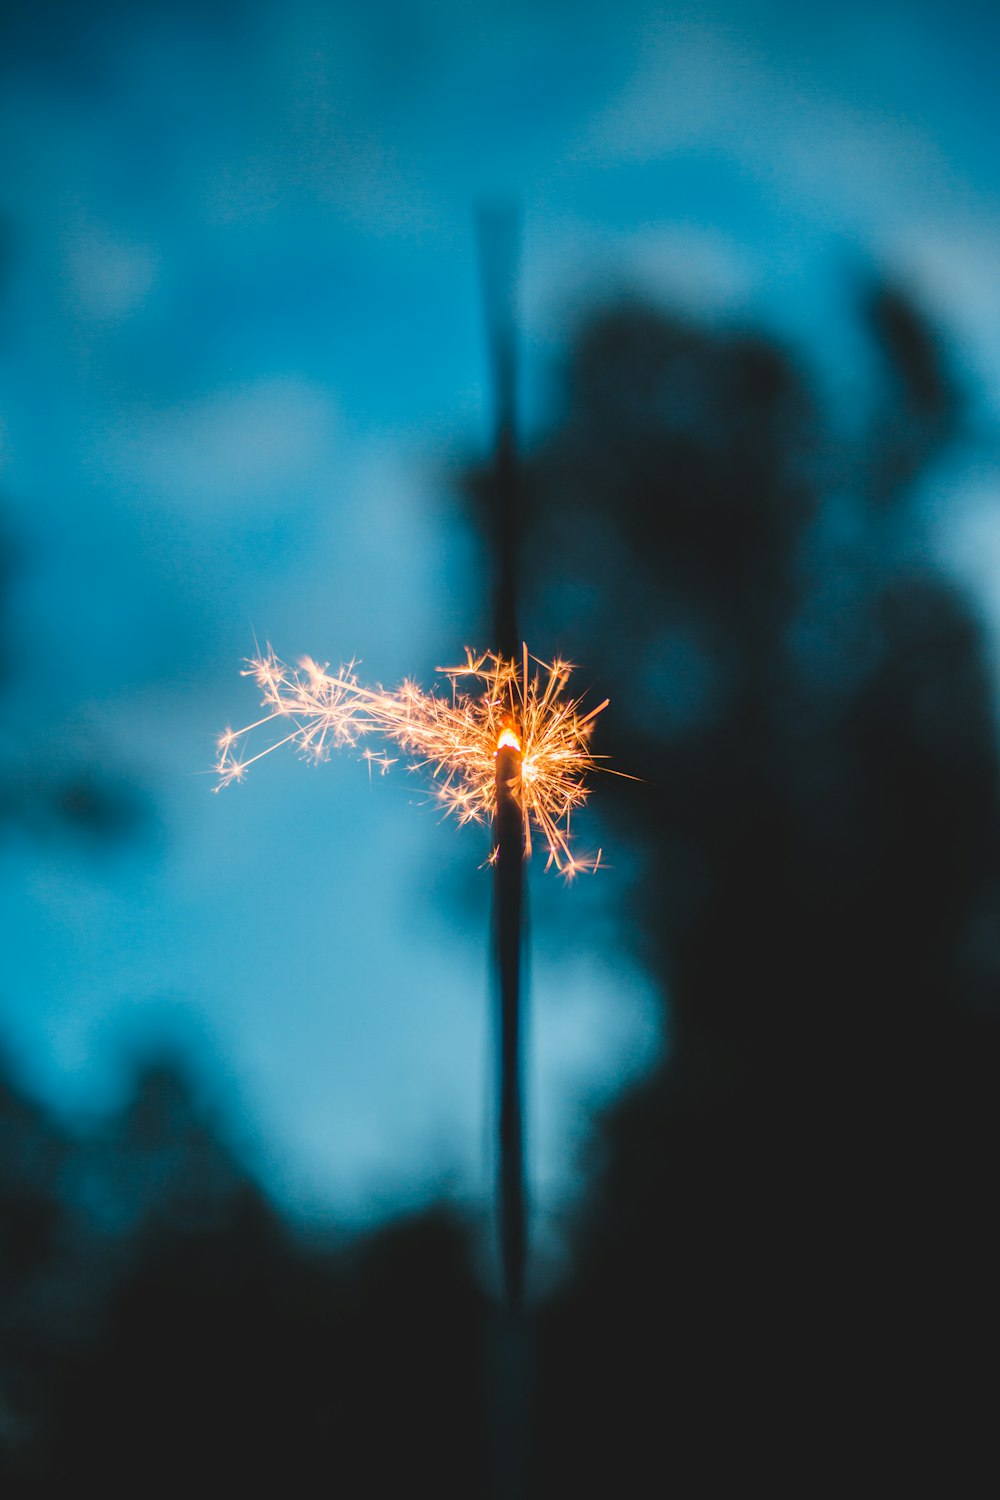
245 1167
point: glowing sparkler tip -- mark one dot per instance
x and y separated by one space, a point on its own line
455 738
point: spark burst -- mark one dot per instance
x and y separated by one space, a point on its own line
494 701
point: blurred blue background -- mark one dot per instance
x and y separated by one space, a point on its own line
241 369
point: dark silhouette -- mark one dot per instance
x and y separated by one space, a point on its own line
163 1329
786 1277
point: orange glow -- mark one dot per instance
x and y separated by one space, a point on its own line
455 739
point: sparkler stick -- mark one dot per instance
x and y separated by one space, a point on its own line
508 833
498 260
510 1359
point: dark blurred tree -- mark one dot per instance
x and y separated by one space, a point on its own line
787 1274
204 1345
33 1152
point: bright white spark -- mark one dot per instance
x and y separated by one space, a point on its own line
494 702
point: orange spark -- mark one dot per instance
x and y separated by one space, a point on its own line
455 739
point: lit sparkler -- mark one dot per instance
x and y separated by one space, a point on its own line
495 702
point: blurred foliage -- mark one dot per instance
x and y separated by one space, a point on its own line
162 1329
785 1275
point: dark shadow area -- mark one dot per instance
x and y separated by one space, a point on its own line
787 1278
163 1330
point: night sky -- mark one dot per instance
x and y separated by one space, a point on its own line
242 371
